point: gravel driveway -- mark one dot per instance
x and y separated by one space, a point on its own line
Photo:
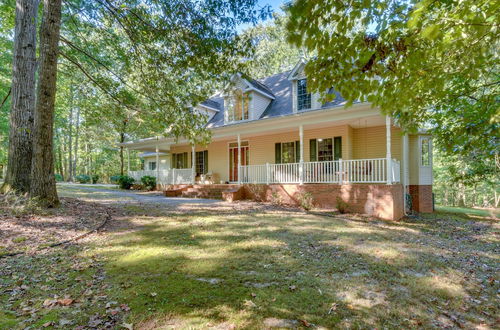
110 194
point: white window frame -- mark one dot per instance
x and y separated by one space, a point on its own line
229 102
150 163
420 149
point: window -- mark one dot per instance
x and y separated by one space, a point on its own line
201 166
152 166
303 97
180 160
425 152
237 106
323 150
287 152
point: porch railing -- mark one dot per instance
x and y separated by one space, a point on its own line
339 171
170 176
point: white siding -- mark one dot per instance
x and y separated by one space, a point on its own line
258 104
164 162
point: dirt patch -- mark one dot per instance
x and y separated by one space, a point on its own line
28 231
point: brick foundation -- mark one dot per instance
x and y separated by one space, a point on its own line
379 200
421 198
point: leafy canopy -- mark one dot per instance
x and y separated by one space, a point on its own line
421 61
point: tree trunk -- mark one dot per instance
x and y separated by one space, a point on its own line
43 184
77 136
70 135
23 98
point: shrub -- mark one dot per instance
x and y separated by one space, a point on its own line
305 200
114 178
149 182
58 177
342 206
82 178
95 178
276 198
125 181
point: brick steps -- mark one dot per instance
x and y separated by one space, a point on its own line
204 192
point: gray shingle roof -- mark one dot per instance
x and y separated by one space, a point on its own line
211 103
280 87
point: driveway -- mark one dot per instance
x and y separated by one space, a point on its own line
110 194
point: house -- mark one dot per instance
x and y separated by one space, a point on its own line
273 140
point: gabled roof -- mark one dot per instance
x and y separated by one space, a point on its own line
282 105
259 86
212 104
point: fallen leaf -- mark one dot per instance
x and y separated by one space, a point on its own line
128 326
49 302
125 307
292 287
253 295
249 303
65 302
153 294
48 324
305 323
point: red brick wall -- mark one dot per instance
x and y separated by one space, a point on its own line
421 198
380 200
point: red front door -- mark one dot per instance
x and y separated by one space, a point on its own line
233 162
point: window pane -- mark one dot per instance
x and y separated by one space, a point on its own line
288 152
152 166
200 163
325 150
303 97
425 152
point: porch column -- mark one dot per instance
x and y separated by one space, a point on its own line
301 161
406 172
388 149
157 165
239 159
193 164
128 161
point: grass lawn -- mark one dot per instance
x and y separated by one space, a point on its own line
468 211
255 268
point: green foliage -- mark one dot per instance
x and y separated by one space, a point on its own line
421 61
125 182
342 206
59 178
468 180
95 178
149 182
272 53
114 178
131 71
305 200
82 178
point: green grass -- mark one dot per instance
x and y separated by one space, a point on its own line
203 268
468 211
192 267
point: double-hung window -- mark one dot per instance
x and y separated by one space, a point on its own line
323 150
201 164
303 97
151 166
287 152
180 160
238 106
425 151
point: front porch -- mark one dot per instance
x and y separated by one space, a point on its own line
378 170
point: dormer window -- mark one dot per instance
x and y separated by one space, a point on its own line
303 97
237 106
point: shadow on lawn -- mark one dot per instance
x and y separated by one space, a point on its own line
210 268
